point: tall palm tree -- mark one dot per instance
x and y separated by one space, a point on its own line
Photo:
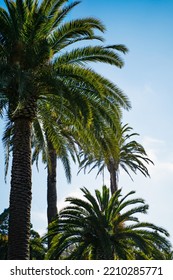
66 133
52 146
104 227
32 34
125 153
57 134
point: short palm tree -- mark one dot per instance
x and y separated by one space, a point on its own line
32 37
104 227
122 152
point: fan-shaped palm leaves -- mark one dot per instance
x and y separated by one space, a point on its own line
101 227
32 34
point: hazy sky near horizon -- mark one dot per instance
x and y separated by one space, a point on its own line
146 28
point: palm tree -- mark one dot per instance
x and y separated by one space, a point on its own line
31 36
125 153
104 227
51 149
59 137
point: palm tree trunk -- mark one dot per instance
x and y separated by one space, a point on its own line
51 187
20 195
113 182
113 176
51 184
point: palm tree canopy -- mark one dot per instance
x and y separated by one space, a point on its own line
35 66
31 35
122 152
104 227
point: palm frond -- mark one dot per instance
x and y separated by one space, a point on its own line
96 228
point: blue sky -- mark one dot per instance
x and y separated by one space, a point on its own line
145 27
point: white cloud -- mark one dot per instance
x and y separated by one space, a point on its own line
159 153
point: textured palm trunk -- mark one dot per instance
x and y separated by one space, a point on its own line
51 184
113 176
113 181
20 195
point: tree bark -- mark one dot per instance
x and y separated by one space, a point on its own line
20 194
51 184
113 176
113 182
51 187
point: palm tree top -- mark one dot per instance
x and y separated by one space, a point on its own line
122 152
107 227
33 40
33 29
